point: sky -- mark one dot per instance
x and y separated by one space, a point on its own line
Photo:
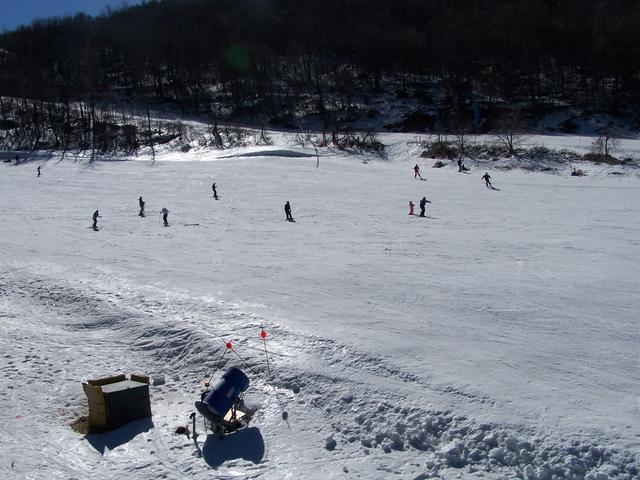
20 12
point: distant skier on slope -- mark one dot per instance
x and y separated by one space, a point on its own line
487 180
165 213
96 216
39 167
461 167
287 211
416 172
423 205
141 203
411 205
215 193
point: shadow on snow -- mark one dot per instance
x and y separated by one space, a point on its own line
119 436
247 444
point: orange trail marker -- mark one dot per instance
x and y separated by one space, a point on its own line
263 335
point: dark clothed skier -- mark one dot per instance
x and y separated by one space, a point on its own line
416 172
141 203
411 205
287 211
461 167
423 205
39 167
487 180
96 216
215 193
164 213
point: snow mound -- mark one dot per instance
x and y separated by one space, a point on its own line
272 153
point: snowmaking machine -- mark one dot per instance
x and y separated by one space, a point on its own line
222 406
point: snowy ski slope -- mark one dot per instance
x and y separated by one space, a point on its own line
496 338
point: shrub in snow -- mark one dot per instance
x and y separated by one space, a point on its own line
440 149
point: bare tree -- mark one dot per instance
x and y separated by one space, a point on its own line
303 137
604 144
462 139
511 132
214 134
264 139
153 151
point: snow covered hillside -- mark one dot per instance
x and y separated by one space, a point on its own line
496 338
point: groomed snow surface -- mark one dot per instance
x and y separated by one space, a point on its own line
496 338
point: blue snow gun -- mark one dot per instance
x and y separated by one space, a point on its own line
225 396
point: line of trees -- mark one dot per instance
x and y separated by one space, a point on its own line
272 59
106 129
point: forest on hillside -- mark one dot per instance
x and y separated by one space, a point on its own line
277 60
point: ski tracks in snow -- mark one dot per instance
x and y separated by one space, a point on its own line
346 411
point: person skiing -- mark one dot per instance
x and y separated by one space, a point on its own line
461 167
416 172
215 193
96 216
411 205
487 180
164 213
39 167
287 211
423 205
141 203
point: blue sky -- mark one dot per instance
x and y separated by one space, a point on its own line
19 12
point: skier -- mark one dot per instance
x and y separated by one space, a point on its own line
461 167
416 172
215 193
487 180
423 204
96 216
287 211
39 167
164 213
411 205
141 203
